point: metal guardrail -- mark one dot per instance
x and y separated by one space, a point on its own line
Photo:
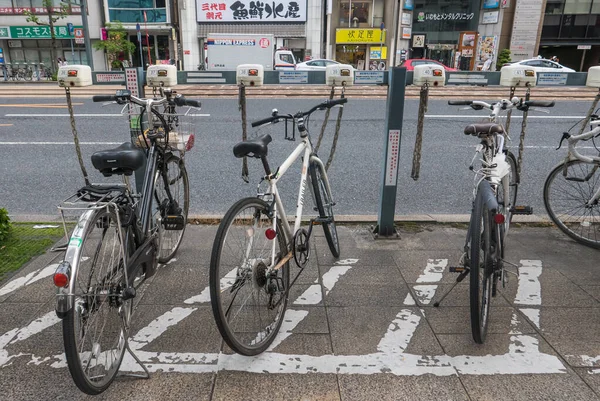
482 78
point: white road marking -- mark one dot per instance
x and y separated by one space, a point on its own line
533 315
58 143
467 116
313 294
425 293
399 333
226 282
158 326
409 300
433 271
28 279
529 290
84 115
291 319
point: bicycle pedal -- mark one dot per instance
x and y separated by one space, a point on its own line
522 210
174 222
456 269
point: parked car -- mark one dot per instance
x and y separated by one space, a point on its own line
543 65
316 64
412 62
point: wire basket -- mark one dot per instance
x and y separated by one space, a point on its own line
181 128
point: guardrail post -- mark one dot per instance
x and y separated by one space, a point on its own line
393 132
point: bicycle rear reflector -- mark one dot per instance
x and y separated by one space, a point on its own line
72 73
61 275
190 142
270 234
499 218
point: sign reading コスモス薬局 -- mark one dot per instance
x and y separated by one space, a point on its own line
245 11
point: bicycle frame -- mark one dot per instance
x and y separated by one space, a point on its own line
305 149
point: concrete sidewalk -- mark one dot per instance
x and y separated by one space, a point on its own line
360 328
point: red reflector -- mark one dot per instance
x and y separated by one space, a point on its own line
437 73
499 218
253 73
61 280
190 142
72 73
270 233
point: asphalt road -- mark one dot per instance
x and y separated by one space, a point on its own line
38 165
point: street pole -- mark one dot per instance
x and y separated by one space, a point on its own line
139 38
582 60
394 40
86 35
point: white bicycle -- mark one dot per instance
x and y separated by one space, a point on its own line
572 190
494 197
249 267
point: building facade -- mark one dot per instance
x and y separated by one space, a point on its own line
25 42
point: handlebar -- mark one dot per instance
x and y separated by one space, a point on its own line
539 103
328 104
460 102
104 98
122 98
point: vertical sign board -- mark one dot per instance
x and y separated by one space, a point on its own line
523 42
391 164
131 81
393 132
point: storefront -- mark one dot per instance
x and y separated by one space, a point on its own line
442 23
32 45
361 48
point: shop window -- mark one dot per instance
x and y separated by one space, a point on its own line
551 27
6 3
596 7
577 6
22 3
359 16
132 11
554 6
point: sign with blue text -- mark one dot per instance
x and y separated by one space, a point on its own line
368 77
293 77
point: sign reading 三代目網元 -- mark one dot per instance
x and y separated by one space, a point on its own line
251 11
367 35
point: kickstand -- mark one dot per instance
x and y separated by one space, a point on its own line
146 374
460 278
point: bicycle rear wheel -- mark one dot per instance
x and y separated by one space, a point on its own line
248 301
481 274
325 207
94 330
565 200
176 179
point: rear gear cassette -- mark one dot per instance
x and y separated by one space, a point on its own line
301 247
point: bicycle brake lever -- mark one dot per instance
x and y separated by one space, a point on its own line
565 135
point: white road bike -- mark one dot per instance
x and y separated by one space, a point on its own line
572 190
249 267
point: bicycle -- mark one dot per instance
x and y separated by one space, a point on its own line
493 206
117 243
255 242
572 190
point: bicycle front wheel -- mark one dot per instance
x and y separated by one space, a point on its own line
248 299
174 177
481 265
324 203
94 330
566 200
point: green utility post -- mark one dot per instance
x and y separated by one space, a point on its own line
393 132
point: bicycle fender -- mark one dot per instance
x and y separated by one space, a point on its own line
488 196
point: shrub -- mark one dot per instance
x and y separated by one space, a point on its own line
503 58
4 224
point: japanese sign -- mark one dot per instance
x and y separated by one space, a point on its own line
376 53
491 4
523 41
78 36
107 77
293 77
370 35
552 78
131 81
391 164
422 16
409 4
406 18
406 33
37 32
368 77
251 11
36 10
490 17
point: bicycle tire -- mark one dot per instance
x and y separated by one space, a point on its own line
231 276
177 179
325 208
100 280
481 277
565 198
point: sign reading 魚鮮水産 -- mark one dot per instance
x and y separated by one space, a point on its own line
246 11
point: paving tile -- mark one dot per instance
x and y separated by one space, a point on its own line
593 290
175 283
592 377
306 344
495 344
388 387
527 387
232 386
367 295
457 320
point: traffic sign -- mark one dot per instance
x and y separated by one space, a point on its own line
78 36
138 27
584 47
70 28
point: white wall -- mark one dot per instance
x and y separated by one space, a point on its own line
314 28
189 35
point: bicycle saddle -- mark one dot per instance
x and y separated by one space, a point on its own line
254 148
483 129
124 159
